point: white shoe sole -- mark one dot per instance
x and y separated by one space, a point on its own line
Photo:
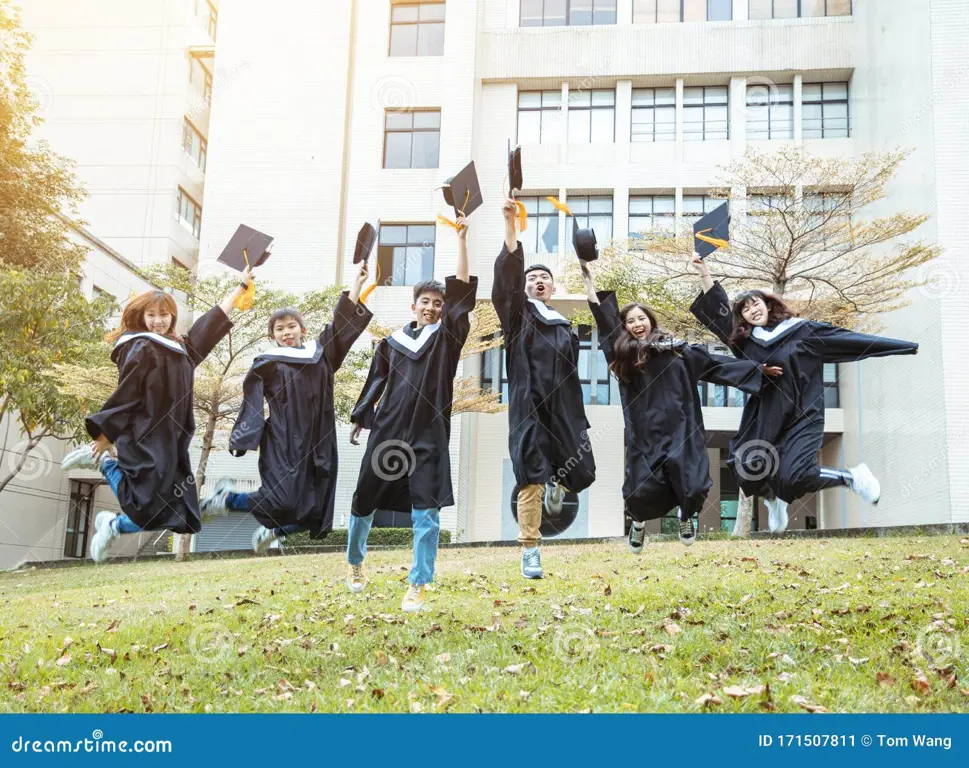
412 608
79 458
355 589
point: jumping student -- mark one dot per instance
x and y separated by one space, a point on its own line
297 444
775 452
548 431
149 421
406 405
666 448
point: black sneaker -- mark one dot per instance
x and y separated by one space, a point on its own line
637 537
688 531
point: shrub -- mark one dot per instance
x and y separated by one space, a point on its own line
378 537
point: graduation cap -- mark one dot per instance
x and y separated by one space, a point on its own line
462 192
247 248
712 231
515 182
584 241
366 240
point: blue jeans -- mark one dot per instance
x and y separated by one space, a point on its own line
122 523
427 527
239 502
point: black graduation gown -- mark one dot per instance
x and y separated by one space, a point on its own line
297 443
407 464
666 448
782 428
151 422
547 427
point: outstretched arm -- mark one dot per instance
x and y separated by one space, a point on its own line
839 345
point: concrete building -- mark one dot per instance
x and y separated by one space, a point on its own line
356 110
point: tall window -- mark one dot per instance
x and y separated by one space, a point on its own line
412 139
825 111
592 368
405 252
417 30
792 9
189 212
561 13
770 112
542 234
652 214
761 204
78 519
705 113
695 206
590 213
831 396
194 144
213 21
830 211
665 11
540 117
592 117
492 370
653 115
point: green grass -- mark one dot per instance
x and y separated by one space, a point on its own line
849 625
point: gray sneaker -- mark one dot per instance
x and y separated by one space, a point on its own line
80 458
263 538
532 563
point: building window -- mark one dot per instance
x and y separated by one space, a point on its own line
705 113
695 206
653 115
590 213
207 87
831 397
492 369
831 213
417 30
194 144
760 204
412 139
825 111
189 212
405 252
792 9
542 234
592 117
592 367
561 13
540 117
652 214
78 518
668 11
213 21
717 395
770 115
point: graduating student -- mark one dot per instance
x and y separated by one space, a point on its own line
548 430
775 452
297 443
666 452
406 405
149 421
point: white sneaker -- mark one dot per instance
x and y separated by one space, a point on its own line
214 505
554 498
356 578
413 599
80 458
637 537
532 563
104 534
262 539
865 484
777 515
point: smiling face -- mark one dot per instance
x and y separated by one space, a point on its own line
539 285
287 332
428 308
637 323
755 312
158 319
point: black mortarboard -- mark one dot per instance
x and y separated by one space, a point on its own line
584 241
366 240
515 182
246 243
462 192
713 226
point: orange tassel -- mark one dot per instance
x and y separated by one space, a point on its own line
244 301
445 221
559 206
522 216
369 289
714 241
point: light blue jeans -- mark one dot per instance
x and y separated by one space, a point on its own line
122 523
427 527
240 503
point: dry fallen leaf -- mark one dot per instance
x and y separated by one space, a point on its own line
109 652
64 660
884 679
608 590
739 692
381 659
709 700
671 628
803 703
920 684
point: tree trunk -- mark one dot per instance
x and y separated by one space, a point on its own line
745 517
25 454
779 287
183 541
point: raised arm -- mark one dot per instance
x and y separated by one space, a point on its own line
228 301
838 345
508 288
350 319
605 310
463 271
712 306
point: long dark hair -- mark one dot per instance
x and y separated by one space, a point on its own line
777 312
630 354
133 317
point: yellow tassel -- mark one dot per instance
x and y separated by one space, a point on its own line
560 206
714 241
244 301
445 221
522 216
369 289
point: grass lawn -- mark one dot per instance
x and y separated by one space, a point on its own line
863 625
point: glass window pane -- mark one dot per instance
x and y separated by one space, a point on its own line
666 97
692 204
555 13
602 394
603 227
432 12
666 204
430 40
785 9
420 234
603 98
528 127
812 8
644 12
836 91
717 95
694 10
551 98
600 205
427 263
643 97
839 7
579 126
605 12
579 99
784 93
586 394
530 99
580 12
759 9
427 146
531 13
640 205
397 147
578 205
551 126
392 235
405 13
668 11
719 10
399 120
811 92
692 95
549 240
427 119
603 126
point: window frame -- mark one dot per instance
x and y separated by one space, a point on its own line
195 225
541 109
584 220
213 22
682 14
188 128
591 109
389 113
80 508
769 107
846 101
654 108
800 11
568 14
387 275
653 215
703 133
539 210
417 23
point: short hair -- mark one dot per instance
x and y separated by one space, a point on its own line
540 268
429 286
282 314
